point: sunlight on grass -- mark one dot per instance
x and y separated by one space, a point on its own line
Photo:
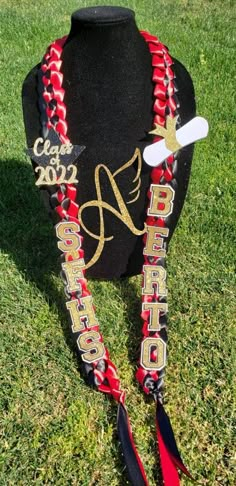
54 428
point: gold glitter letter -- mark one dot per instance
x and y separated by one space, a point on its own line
153 353
155 309
87 312
70 241
161 196
89 342
73 271
154 241
154 275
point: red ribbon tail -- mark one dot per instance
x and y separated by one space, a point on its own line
133 462
169 455
169 471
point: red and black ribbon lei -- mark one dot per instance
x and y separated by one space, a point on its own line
63 199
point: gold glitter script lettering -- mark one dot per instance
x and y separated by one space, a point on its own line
122 214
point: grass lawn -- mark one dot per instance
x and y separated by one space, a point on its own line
54 428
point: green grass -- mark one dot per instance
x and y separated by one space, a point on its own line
54 428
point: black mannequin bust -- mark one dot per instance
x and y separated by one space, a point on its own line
107 77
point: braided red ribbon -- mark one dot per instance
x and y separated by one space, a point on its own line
103 370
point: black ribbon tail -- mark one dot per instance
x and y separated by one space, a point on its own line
133 462
165 430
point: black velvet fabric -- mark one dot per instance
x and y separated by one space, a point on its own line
109 97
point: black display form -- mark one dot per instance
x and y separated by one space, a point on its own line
107 77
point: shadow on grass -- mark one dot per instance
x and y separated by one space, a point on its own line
31 245
28 236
